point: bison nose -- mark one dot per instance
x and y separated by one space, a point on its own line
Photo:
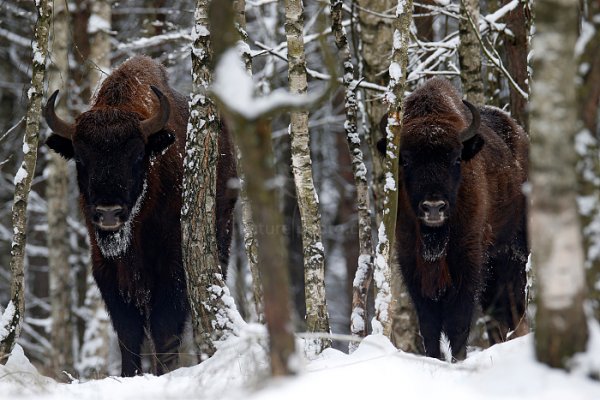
109 218
433 210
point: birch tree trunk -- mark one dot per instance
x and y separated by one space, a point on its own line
364 271
555 234
317 319
15 310
213 315
386 289
57 190
95 350
469 53
588 148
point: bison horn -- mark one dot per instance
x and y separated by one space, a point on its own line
158 121
475 121
58 126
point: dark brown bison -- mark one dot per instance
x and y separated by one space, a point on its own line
461 232
128 149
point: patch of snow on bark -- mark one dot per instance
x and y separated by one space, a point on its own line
5 321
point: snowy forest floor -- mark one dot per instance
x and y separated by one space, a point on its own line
376 370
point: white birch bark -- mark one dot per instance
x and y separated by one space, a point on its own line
554 230
469 53
317 319
15 310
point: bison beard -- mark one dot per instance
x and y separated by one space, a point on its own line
128 150
115 244
461 225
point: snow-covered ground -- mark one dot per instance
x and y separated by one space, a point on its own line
375 371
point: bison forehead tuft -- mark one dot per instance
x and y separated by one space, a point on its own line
110 126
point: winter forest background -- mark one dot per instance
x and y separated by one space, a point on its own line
66 333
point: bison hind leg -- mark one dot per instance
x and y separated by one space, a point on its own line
504 299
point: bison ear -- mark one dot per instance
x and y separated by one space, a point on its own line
160 141
471 147
61 145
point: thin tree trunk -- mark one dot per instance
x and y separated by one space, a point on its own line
561 329
253 135
588 149
248 224
94 360
317 319
518 22
469 53
15 310
364 271
57 190
386 290
212 318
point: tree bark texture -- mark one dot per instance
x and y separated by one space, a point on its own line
469 53
317 319
205 283
249 227
23 179
375 44
588 148
555 234
386 290
57 194
364 271
516 46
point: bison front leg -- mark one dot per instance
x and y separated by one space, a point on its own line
430 324
167 322
458 314
128 324
126 319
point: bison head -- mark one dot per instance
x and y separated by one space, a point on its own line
432 150
112 150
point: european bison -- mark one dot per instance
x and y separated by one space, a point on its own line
461 232
128 149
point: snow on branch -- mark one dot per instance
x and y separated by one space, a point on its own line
142 43
233 87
